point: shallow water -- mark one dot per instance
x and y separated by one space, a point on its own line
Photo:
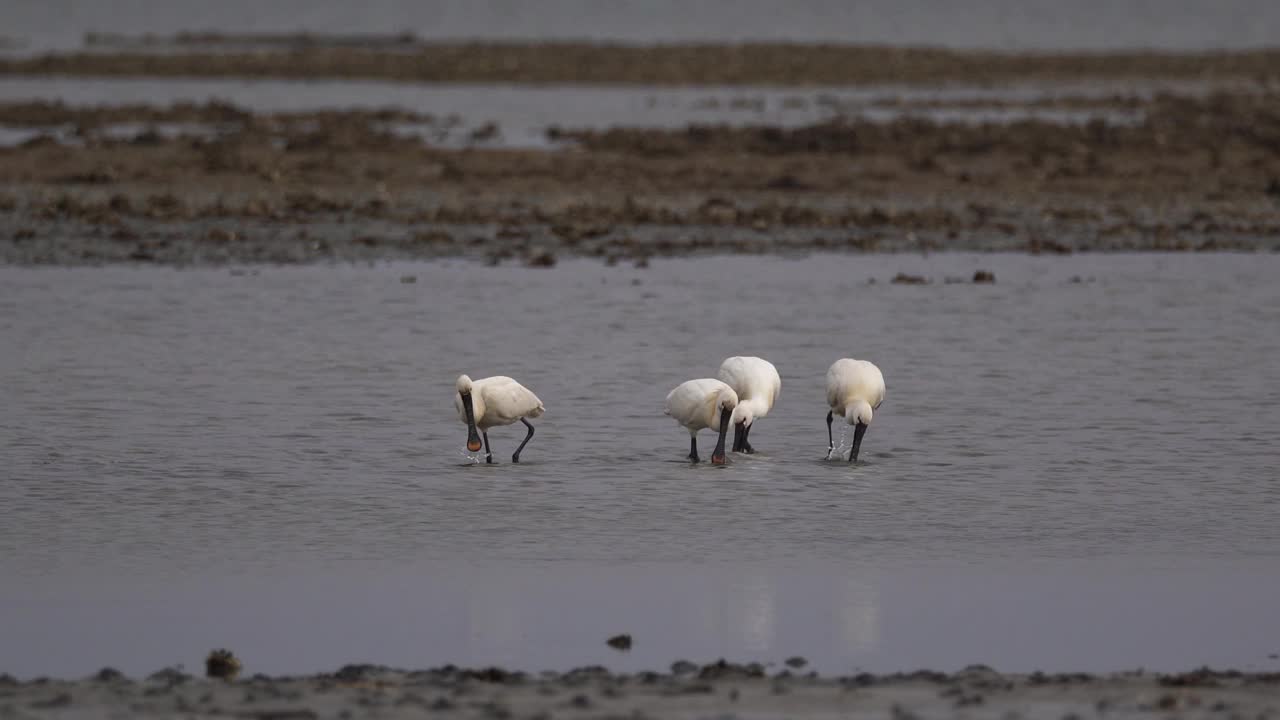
1064 475
523 114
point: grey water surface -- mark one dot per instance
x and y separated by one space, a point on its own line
1074 468
520 116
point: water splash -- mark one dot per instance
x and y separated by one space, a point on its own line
474 459
841 448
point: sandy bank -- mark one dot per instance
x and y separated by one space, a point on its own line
687 691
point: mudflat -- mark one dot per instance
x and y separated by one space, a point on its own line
215 182
407 59
685 691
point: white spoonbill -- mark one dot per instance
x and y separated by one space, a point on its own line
705 403
757 384
492 401
854 389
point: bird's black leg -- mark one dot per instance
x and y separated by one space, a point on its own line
746 445
515 458
693 448
488 454
831 443
739 435
858 431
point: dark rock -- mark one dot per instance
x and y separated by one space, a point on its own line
905 279
358 672
1203 677
721 669
796 662
109 674
619 642
222 664
984 276
492 675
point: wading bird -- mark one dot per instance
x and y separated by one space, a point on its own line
490 402
757 384
854 389
699 404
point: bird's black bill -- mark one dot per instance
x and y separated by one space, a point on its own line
717 455
858 431
473 437
739 436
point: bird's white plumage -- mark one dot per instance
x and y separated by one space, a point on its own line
697 404
757 384
497 400
854 389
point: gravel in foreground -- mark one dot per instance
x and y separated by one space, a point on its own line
721 690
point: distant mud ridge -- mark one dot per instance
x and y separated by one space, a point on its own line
229 185
405 58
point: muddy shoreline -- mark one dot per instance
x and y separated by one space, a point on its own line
406 59
213 183
686 690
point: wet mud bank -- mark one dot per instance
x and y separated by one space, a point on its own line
215 183
687 690
408 59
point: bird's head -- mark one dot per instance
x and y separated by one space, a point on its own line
727 401
858 412
462 384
